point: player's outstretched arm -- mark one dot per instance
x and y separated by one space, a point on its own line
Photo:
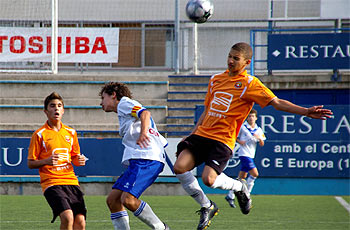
316 112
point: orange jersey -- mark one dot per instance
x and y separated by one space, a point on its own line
46 142
228 103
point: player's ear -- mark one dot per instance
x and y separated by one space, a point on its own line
248 61
114 95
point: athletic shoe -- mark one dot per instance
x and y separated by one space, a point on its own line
166 226
243 198
206 215
230 201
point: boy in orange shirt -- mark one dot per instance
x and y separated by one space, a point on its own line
53 148
230 97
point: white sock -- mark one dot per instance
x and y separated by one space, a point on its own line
227 183
147 216
191 186
120 220
231 195
250 182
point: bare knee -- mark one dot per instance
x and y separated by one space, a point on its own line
209 176
209 180
113 202
79 222
130 202
67 219
109 201
178 169
254 173
184 163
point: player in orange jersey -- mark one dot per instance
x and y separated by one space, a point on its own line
53 149
230 97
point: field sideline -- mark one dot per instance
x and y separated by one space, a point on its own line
269 212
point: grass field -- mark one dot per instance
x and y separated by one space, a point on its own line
269 212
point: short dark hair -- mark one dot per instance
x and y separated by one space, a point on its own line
254 111
120 89
243 48
51 97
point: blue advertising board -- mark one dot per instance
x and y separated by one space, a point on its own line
298 146
104 156
308 51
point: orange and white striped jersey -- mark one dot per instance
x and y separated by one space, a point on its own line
228 103
46 142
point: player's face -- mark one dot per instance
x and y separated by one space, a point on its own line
236 63
55 110
251 119
109 103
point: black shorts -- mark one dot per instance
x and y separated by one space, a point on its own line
211 152
64 197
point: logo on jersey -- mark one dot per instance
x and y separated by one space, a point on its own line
153 132
67 138
238 85
63 156
221 102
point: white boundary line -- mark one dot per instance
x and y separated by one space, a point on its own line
343 203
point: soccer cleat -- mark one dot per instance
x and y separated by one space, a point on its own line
206 215
166 226
243 198
230 201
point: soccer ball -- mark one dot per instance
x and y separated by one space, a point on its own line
199 11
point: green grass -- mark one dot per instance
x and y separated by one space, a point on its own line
269 212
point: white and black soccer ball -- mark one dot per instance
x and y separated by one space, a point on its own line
199 11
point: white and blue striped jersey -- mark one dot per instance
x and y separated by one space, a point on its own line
246 134
129 112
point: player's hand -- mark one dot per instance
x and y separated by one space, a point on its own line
317 112
81 159
143 140
52 160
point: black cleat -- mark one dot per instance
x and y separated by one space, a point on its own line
206 215
243 198
230 201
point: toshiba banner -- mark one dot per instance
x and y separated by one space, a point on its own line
92 45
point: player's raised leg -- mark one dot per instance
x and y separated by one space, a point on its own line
183 165
224 182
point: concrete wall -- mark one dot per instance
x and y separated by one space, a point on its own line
93 188
263 186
